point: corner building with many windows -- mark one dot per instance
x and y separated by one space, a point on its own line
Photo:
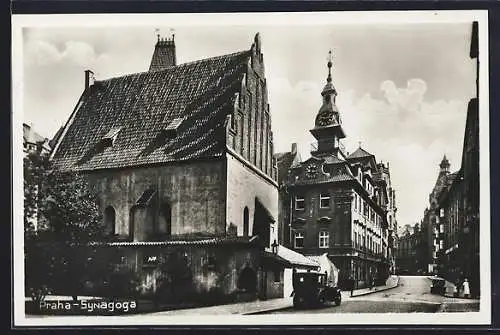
338 203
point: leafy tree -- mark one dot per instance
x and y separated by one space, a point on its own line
61 217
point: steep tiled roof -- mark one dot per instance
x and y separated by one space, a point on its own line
58 134
332 160
359 153
339 174
143 105
32 137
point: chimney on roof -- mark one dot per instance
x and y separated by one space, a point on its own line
89 78
294 148
164 55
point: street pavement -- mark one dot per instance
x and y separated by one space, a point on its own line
411 296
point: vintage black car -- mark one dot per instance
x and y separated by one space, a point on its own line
438 285
310 289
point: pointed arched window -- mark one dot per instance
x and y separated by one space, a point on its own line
245 222
110 220
165 219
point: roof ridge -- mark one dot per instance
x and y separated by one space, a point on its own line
237 53
233 54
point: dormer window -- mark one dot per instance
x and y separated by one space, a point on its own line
110 137
171 129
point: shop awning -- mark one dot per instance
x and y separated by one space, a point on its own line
296 259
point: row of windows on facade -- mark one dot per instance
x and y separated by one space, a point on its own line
361 207
369 243
324 241
164 220
325 200
162 226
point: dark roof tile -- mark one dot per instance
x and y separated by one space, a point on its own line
143 105
211 241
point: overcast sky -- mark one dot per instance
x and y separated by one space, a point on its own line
403 89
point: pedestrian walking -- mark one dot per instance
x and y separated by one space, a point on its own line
466 288
455 290
351 285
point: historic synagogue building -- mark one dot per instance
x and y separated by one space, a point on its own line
338 203
181 157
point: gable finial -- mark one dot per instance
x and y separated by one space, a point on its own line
359 143
157 31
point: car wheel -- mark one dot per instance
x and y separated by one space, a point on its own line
338 300
297 302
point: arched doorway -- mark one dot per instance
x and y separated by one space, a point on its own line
110 220
247 280
245 222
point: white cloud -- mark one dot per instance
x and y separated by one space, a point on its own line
76 53
41 53
80 53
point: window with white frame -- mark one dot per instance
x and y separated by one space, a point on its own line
441 212
324 239
324 200
355 202
299 202
299 239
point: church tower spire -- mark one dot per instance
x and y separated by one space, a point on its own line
445 165
328 125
